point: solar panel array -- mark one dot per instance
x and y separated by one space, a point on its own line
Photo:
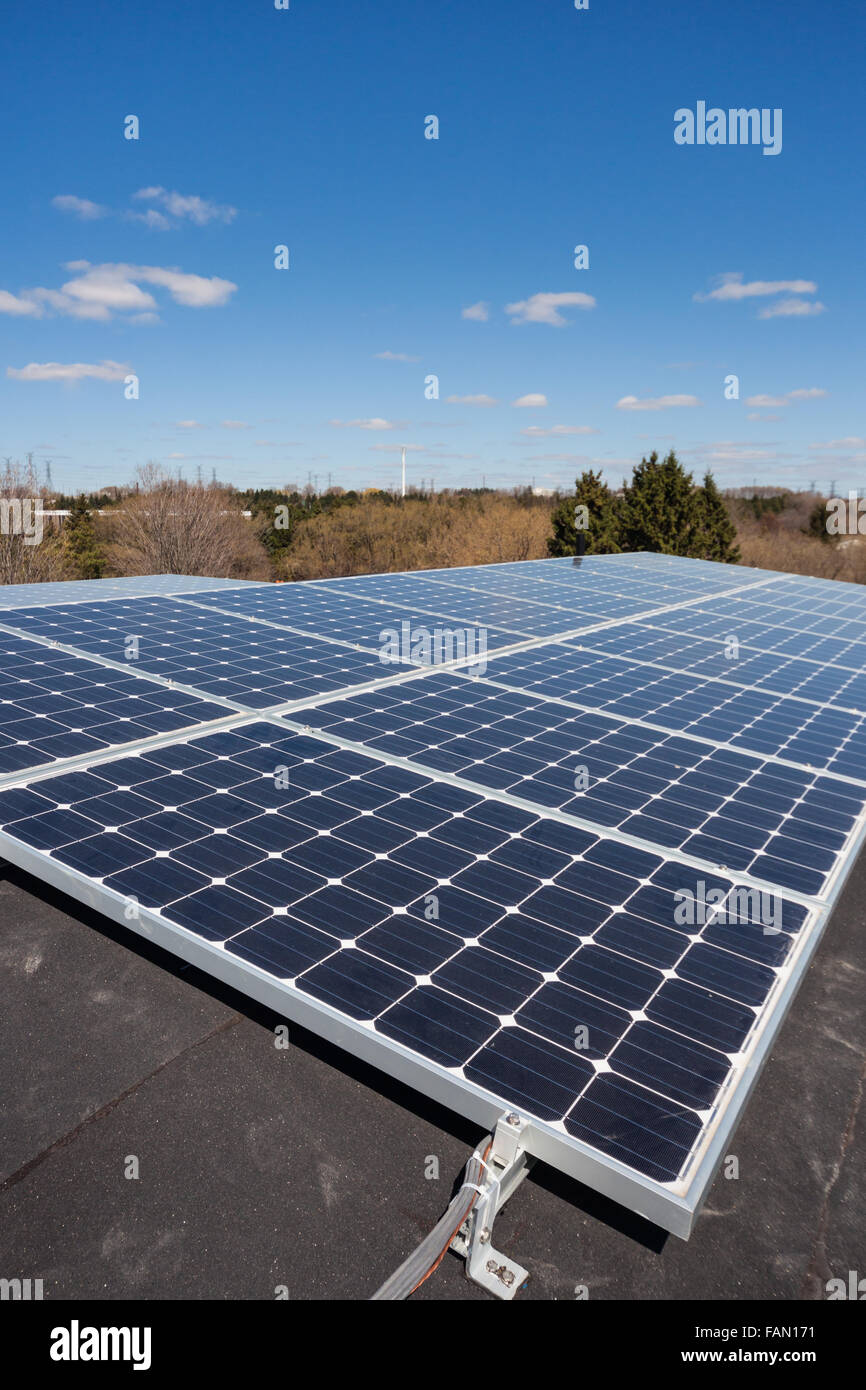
573 862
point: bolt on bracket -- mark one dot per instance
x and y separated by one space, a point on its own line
502 1172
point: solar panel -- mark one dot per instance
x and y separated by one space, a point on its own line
55 706
583 883
218 655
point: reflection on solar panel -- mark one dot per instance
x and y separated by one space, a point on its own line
91 590
581 880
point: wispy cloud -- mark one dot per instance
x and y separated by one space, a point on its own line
82 208
767 402
188 425
472 400
376 423
544 308
852 441
234 425
735 453
184 207
69 371
538 432
395 448
732 287
559 458
656 402
808 393
396 357
480 312
793 309
171 209
533 401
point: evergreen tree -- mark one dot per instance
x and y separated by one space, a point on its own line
658 510
600 533
717 534
817 524
82 554
276 517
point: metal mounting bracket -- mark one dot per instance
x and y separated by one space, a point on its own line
503 1171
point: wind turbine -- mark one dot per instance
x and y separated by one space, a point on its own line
403 453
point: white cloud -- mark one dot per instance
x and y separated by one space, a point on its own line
480 312
397 357
11 304
395 448
184 207
733 286
101 291
793 308
81 207
559 458
851 442
234 425
194 291
188 425
105 290
176 209
373 424
533 401
544 308
157 220
472 400
734 454
69 371
656 403
808 393
538 432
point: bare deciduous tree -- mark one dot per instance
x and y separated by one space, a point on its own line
172 527
28 550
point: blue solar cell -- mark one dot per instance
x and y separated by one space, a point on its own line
54 705
721 805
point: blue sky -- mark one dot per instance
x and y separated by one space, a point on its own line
306 127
